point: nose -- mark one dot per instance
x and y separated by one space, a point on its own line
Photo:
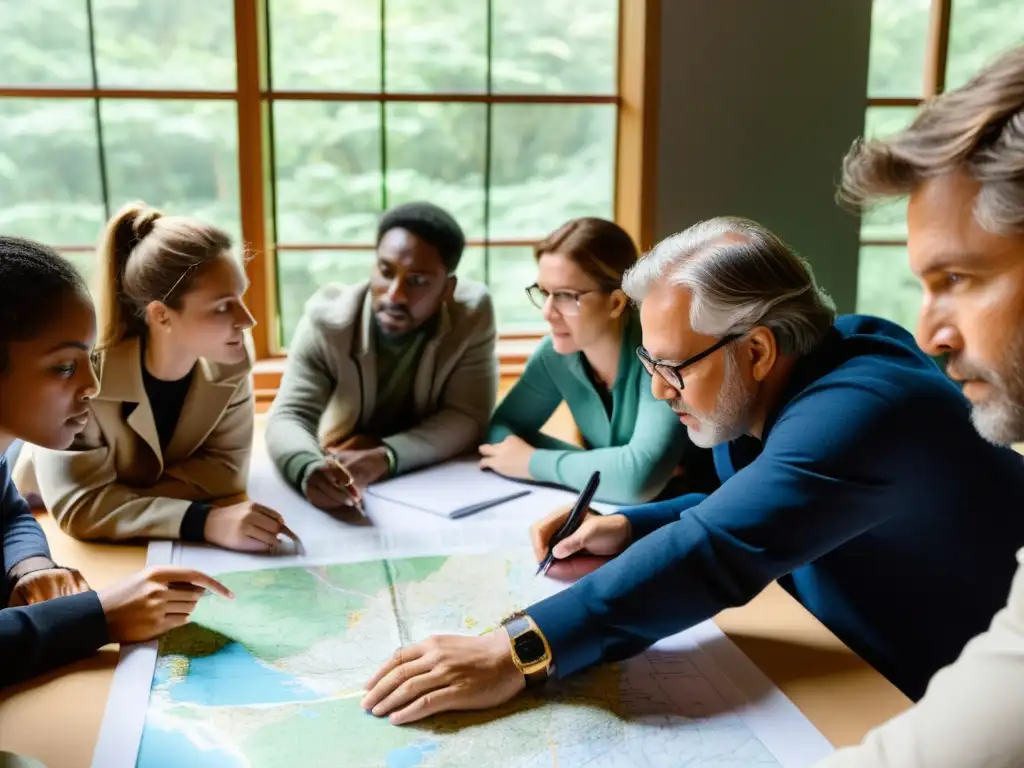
661 389
548 311
396 291
90 386
937 335
243 318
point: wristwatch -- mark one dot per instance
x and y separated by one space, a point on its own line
530 650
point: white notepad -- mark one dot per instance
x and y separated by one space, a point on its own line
452 490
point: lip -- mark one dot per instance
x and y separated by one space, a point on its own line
688 420
79 419
392 319
235 343
975 389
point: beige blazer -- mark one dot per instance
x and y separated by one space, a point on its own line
972 713
329 387
115 482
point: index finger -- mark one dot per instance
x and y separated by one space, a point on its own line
402 656
542 531
167 574
486 449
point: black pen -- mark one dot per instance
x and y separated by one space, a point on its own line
572 524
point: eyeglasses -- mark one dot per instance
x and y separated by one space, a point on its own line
673 374
566 303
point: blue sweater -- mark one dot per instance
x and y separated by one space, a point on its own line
872 500
39 637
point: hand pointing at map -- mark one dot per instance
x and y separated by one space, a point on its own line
149 603
444 673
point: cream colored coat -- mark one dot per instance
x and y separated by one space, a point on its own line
115 482
972 714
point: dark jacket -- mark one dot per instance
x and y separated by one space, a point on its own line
872 500
39 637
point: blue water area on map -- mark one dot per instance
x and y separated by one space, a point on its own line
411 756
172 749
233 676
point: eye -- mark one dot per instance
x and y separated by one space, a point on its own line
384 269
66 370
417 281
954 279
222 308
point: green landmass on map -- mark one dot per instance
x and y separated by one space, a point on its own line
275 677
308 601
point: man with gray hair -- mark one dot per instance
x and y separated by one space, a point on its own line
849 471
961 164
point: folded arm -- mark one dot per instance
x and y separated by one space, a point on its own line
789 507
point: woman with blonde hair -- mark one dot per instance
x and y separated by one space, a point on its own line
170 432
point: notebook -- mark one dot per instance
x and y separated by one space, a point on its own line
453 490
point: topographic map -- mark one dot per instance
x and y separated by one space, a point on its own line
274 678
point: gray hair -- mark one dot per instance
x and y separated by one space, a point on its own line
740 275
977 128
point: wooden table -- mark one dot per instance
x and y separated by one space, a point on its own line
57 718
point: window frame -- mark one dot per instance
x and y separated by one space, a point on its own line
635 147
933 83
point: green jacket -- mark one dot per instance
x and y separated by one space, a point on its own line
636 450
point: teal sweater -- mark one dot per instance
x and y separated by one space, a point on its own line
636 450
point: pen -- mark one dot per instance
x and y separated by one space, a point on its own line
350 486
572 524
300 548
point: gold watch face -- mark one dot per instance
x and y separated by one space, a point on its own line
529 647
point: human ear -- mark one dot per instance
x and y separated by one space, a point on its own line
620 301
158 316
449 289
763 351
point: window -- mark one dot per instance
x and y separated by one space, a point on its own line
294 123
919 48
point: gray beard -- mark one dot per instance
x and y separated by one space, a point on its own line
1000 419
731 417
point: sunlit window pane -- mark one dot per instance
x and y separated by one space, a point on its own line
436 151
300 274
886 287
50 186
179 156
436 47
44 43
550 163
979 31
555 47
325 45
899 33
327 158
173 44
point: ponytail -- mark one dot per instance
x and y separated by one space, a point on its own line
145 257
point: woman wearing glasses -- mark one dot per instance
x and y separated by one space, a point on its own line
171 429
589 360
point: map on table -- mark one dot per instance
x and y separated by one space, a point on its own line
274 678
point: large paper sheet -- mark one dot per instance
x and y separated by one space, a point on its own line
697 679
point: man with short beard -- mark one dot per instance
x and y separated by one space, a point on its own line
850 472
389 375
961 163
